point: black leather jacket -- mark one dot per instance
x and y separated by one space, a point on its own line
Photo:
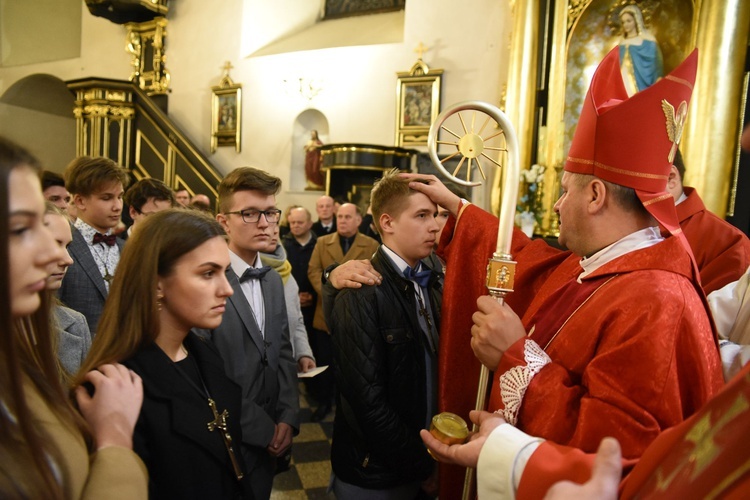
379 352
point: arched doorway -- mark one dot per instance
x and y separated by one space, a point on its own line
37 112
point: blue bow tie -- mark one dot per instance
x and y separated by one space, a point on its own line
254 273
421 277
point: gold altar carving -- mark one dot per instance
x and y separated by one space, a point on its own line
146 45
104 122
579 34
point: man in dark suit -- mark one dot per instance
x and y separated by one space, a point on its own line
347 243
299 245
326 223
253 337
96 185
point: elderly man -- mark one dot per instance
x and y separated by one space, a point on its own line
299 245
346 244
326 223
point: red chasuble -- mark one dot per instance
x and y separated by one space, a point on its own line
632 349
721 251
706 456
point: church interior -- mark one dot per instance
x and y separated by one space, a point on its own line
67 74
187 91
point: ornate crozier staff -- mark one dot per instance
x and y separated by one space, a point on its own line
471 145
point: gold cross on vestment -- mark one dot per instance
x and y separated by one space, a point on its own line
220 422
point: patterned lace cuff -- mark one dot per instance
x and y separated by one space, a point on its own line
514 382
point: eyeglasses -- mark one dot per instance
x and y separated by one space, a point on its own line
250 216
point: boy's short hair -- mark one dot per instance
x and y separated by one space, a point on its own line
87 174
246 179
389 196
50 179
140 192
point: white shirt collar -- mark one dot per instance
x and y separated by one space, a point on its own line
682 198
401 264
643 238
87 231
239 265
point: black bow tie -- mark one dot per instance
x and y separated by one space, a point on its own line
108 239
254 273
421 277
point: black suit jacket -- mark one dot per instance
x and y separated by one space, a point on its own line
185 459
319 230
83 287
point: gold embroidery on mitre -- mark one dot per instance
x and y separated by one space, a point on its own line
658 199
679 80
675 122
641 175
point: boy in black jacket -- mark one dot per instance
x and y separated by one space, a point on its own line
385 341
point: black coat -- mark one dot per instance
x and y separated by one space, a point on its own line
379 351
319 230
184 459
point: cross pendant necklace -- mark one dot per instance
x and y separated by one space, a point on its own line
220 419
107 277
220 423
103 254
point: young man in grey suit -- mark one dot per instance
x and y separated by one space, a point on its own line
253 337
96 185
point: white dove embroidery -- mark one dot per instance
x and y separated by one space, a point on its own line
675 122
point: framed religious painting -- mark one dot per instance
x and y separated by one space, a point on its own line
226 114
417 104
549 75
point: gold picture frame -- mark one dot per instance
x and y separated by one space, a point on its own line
417 104
226 114
712 150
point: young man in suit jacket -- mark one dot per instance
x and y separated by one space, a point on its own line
253 337
345 244
96 185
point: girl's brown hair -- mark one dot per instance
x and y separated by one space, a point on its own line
130 320
30 465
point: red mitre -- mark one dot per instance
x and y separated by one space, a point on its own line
632 141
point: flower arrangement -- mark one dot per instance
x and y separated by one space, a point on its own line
530 209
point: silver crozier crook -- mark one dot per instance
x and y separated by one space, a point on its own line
470 145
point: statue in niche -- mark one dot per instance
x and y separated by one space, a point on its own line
640 57
315 180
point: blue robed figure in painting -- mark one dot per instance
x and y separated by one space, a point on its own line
640 57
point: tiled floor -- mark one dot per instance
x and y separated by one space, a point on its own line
310 470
